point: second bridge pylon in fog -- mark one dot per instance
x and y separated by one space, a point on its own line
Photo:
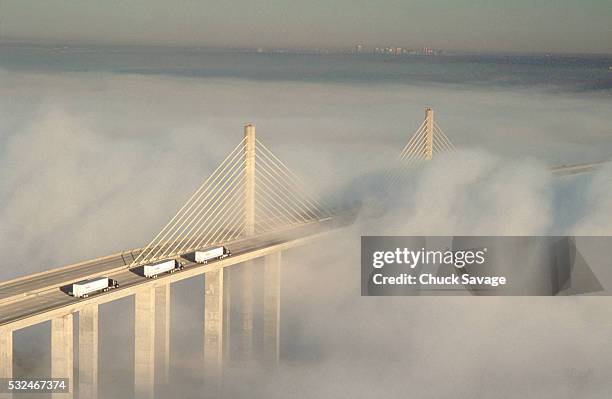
429 139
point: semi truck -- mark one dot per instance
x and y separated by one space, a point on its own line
204 256
83 289
167 266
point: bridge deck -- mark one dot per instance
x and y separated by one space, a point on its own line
565 170
33 299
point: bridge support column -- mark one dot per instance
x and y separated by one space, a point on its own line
428 133
213 329
88 352
271 303
227 312
246 312
62 354
6 352
144 345
162 333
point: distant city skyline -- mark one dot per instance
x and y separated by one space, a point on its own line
566 26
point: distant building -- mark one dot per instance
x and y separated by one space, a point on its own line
430 51
358 49
395 51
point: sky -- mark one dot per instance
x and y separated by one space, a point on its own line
472 25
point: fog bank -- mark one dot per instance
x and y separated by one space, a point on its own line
95 163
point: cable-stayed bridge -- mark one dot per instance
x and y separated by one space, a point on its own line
252 204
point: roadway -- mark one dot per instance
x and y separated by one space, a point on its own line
566 170
41 295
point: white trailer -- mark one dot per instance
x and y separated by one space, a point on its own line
83 289
151 271
212 253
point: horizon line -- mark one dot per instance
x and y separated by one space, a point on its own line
368 49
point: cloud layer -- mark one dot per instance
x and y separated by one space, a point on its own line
96 163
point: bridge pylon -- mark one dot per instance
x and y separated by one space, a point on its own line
428 140
429 133
251 192
249 179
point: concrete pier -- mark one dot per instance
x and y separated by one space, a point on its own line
88 352
6 357
162 333
271 304
213 329
246 312
62 354
6 352
144 345
227 313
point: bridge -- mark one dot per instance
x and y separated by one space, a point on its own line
575 169
252 204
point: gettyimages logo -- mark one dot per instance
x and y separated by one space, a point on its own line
428 257
471 265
